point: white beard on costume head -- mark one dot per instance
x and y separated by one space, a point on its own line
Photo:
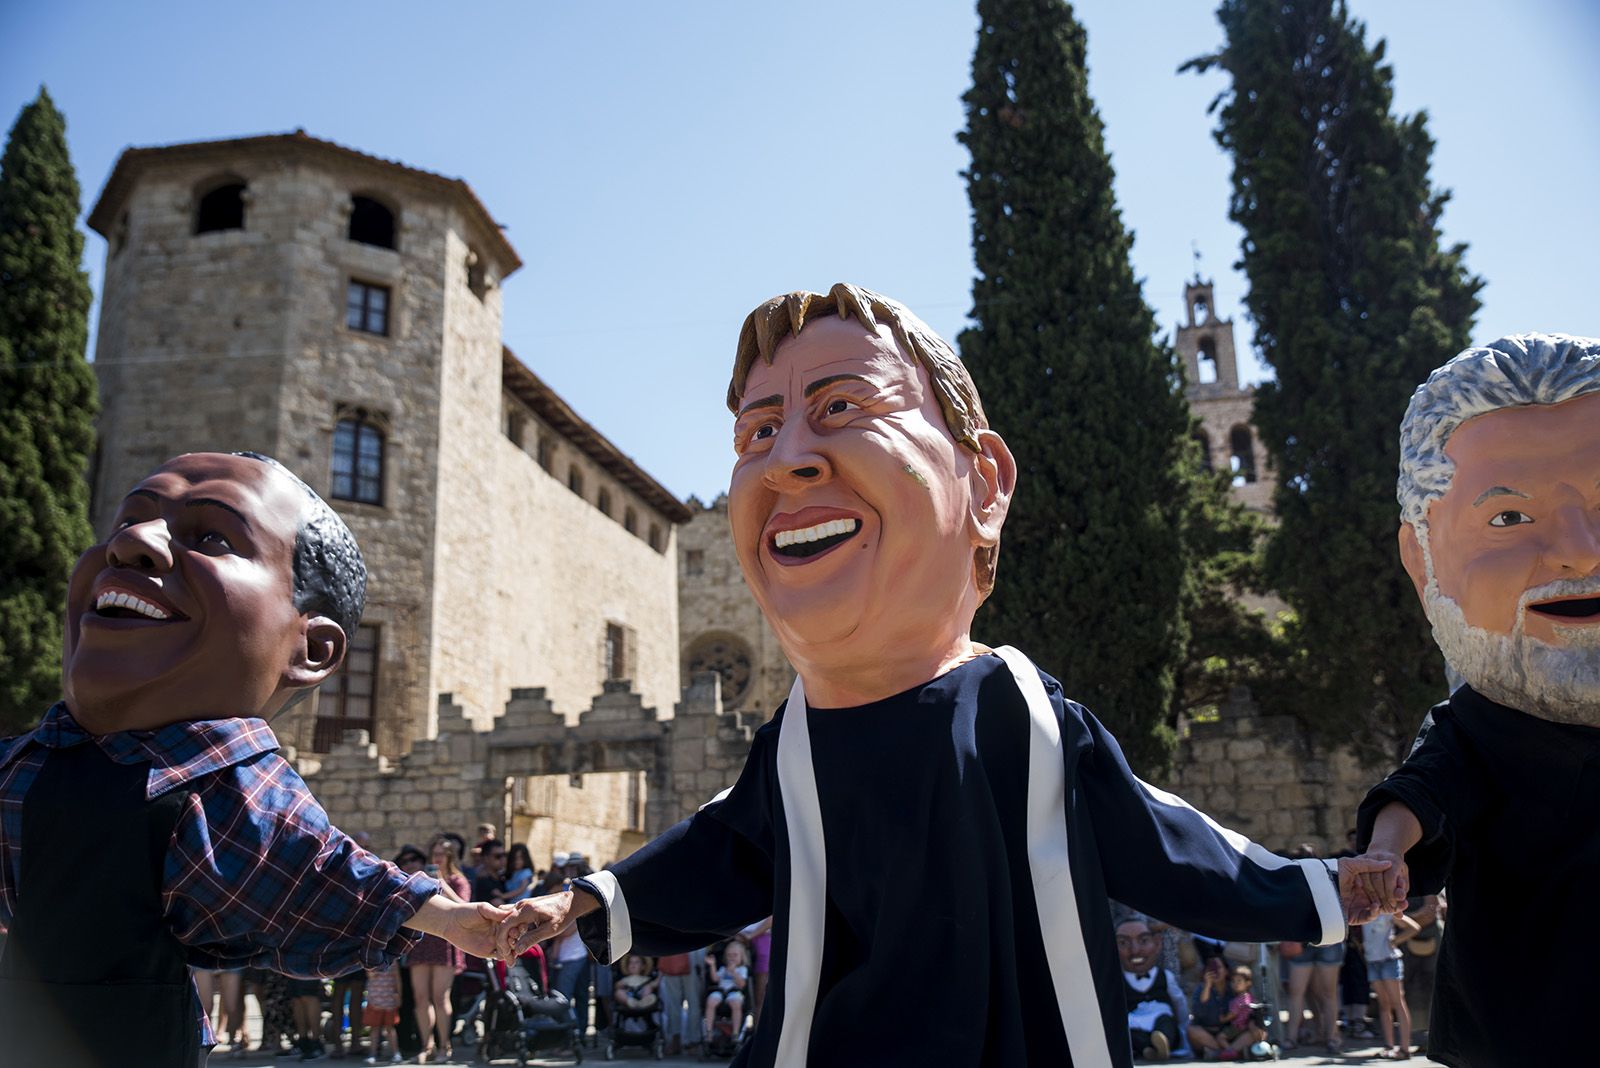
1559 683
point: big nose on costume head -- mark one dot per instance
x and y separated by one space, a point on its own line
141 546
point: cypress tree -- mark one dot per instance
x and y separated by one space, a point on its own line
1354 301
1062 348
47 407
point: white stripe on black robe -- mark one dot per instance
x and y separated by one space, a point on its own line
939 884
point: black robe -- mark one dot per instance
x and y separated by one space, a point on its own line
1510 812
948 904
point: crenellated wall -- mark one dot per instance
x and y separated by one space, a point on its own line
467 775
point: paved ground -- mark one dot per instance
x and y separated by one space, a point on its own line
1361 1054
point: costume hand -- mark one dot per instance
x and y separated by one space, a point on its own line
534 919
1372 884
473 926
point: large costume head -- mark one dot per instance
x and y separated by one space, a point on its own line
225 587
868 495
1500 501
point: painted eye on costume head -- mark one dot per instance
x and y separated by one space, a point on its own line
1510 518
213 539
838 406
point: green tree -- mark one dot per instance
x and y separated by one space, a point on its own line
1354 300
47 407
1093 567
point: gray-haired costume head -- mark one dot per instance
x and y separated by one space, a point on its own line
1515 371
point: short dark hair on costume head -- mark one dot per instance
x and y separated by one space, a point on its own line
781 317
330 578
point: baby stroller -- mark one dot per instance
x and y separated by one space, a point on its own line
726 1034
637 1027
522 1016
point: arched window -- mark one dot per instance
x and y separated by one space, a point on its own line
603 502
657 541
371 223
727 656
1206 361
575 479
1243 461
1205 449
221 209
630 521
358 458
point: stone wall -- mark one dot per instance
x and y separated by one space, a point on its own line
555 785
1260 775
717 616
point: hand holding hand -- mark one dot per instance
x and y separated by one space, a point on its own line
535 919
1372 884
473 927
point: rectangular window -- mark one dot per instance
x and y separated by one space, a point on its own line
616 652
347 697
575 480
694 562
357 468
546 452
366 308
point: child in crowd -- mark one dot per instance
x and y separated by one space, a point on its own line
728 982
382 1013
1381 941
519 874
635 993
1239 1031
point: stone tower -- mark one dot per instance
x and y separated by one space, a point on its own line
342 313
1211 383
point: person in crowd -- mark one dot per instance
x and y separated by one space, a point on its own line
433 963
682 996
1240 1029
636 990
1500 535
226 986
759 935
490 882
306 995
1421 956
519 874
277 1011
728 982
1210 1005
571 975
224 592
1382 938
382 1014
348 990
866 505
1155 1003
1313 971
465 859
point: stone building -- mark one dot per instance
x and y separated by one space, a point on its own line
721 627
343 313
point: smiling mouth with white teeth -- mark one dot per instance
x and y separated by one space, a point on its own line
809 541
115 605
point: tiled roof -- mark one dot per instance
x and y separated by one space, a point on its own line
548 406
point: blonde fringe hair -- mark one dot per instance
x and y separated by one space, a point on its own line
775 320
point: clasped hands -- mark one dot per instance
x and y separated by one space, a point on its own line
1374 883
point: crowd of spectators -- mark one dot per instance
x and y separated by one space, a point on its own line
1194 997
422 1008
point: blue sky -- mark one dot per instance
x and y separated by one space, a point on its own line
663 168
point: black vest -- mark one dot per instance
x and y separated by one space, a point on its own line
91 975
